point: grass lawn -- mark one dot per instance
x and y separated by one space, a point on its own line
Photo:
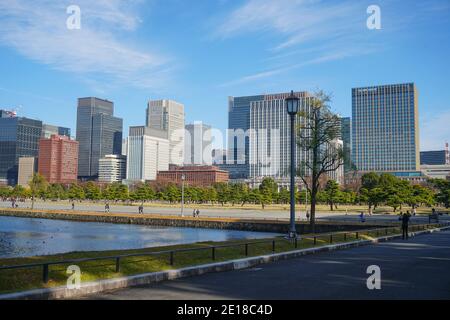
25 279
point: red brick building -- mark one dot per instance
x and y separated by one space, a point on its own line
194 175
58 159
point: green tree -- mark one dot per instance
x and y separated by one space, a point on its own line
443 195
172 193
19 192
332 193
370 191
268 190
92 191
223 193
75 192
5 192
38 184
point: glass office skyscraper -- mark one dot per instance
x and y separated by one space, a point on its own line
19 137
385 128
346 137
239 121
99 134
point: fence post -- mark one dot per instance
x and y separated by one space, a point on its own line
45 273
117 264
246 249
273 246
296 244
171 258
357 235
315 240
331 238
213 253
345 236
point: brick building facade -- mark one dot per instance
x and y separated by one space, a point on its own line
58 159
194 175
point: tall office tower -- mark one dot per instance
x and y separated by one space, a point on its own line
269 142
219 156
19 137
169 115
27 168
112 168
346 137
49 130
238 140
148 153
198 144
98 132
58 159
124 147
385 129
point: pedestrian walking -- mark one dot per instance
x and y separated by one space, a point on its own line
73 205
141 209
194 213
405 225
414 211
107 208
361 217
197 213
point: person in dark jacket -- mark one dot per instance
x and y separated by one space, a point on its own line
405 224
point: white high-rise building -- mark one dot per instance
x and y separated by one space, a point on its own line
148 153
27 168
112 168
168 115
269 137
198 144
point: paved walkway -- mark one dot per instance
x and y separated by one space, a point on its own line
414 269
213 212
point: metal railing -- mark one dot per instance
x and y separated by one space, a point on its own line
331 237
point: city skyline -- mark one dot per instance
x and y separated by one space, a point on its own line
207 69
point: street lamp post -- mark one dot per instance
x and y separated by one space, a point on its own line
292 105
183 177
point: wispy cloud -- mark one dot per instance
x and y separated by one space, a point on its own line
312 31
37 30
297 20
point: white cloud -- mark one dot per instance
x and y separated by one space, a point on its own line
37 30
297 20
311 31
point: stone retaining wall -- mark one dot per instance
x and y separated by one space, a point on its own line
207 223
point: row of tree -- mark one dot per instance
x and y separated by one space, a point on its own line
375 190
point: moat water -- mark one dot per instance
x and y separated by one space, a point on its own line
24 237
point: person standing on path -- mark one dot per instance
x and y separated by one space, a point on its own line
405 225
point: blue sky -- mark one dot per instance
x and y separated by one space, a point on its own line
199 52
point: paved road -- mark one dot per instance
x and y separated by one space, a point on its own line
415 269
213 212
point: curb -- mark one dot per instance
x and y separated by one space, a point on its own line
155 277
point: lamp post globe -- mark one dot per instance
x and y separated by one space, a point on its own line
292 106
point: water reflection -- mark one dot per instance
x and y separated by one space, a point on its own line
21 237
